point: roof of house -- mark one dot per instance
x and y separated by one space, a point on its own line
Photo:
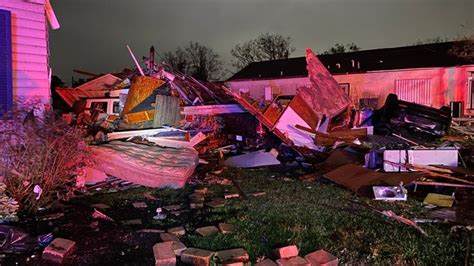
417 56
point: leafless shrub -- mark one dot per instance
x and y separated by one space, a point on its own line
40 154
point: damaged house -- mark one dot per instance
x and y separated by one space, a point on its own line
427 74
24 54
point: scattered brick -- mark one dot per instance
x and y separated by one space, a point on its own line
283 262
225 182
178 247
258 194
215 204
196 205
132 222
286 252
100 206
201 190
196 256
153 231
234 263
233 255
196 197
178 213
207 230
59 250
172 207
178 231
139 205
266 262
298 261
167 237
164 254
231 195
226 228
322 257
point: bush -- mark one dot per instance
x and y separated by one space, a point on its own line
40 158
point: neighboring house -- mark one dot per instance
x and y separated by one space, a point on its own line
426 74
24 54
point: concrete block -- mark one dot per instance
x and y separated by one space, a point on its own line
59 250
226 228
207 230
286 252
233 255
164 254
322 257
196 256
178 231
167 237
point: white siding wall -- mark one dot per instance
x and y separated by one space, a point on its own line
29 48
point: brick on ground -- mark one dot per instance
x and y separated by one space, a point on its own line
294 261
226 228
215 204
164 254
167 237
258 194
170 208
207 230
59 250
178 231
322 257
286 252
178 247
196 197
231 195
140 204
196 256
233 255
201 190
266 262
233 263
196 205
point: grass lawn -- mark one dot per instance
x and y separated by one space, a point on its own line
310 215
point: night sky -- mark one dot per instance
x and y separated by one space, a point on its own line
94 33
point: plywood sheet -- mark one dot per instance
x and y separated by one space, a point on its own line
142 87
167 111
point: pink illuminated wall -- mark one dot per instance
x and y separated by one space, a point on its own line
446 84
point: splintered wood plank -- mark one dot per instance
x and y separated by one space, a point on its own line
167 111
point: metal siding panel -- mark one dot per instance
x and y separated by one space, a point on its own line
6 91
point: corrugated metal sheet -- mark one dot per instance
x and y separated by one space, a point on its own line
414 90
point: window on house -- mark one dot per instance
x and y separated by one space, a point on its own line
414 90
346 87
102 106
6 98
470 100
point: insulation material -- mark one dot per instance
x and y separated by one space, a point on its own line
150 166
286 124
253 159
324 96
446 157
142 88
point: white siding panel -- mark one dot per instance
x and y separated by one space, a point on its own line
40 91
30 49
30 74
27 66
28 24
36 33
17 4
30 83
41 42
28 15
21 57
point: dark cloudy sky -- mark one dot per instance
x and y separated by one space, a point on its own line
94 33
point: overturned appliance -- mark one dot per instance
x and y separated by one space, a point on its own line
398 116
